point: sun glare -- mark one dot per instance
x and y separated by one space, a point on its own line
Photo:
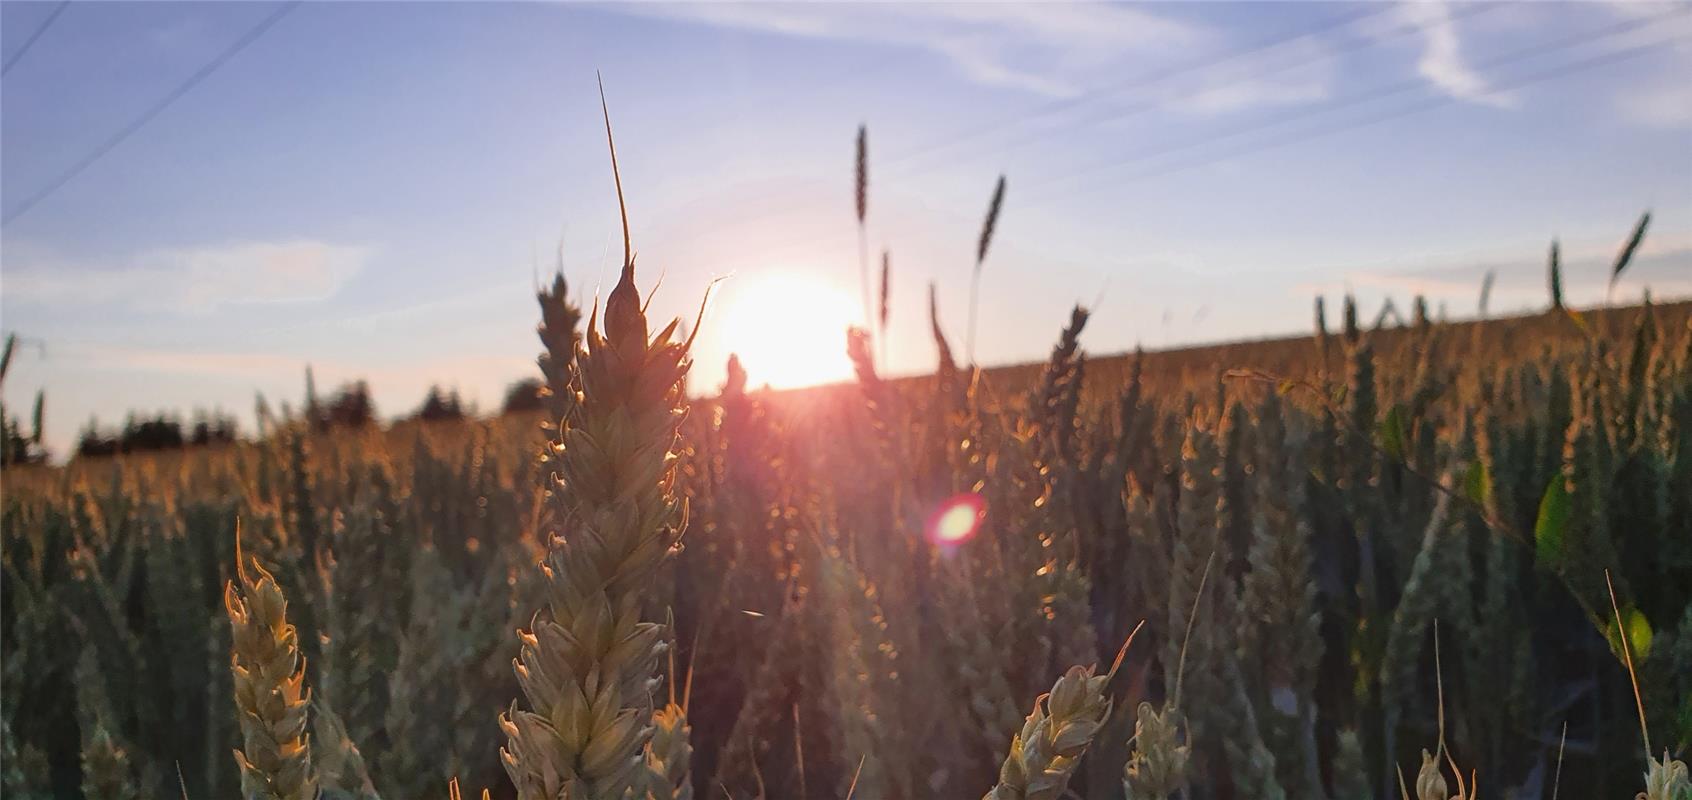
788 328
956 520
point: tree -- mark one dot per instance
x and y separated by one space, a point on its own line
441 405
215 428
350 406
159 432
524 396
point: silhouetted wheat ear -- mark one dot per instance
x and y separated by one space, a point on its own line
588 663
6 356
886 309
886 289
1629 247
991 222
861 195
987 227
1554 271
862 182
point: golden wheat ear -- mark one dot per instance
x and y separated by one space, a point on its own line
271 698
591 665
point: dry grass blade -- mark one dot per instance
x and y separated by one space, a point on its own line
852 788
1187 638
1627 654
799 756
1666 779
1557 778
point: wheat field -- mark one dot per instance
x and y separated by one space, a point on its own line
1430 560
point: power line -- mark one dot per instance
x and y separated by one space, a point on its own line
1598 60
30 42
1060 105
1359 43
1298 137
1140 81
252 35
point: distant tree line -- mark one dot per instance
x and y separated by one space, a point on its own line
349 407
155 432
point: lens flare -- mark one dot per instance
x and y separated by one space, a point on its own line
957 520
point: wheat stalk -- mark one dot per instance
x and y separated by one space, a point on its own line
587 666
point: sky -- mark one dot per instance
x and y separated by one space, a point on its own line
374 189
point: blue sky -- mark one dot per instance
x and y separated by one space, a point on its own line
369 187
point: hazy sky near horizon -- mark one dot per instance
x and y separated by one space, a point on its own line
372 188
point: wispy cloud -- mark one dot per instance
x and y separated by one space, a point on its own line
191 279
1045 48
1442 62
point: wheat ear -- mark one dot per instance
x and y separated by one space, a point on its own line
270 694
1056 734
588 665
669 754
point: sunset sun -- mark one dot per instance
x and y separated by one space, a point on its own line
788 328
